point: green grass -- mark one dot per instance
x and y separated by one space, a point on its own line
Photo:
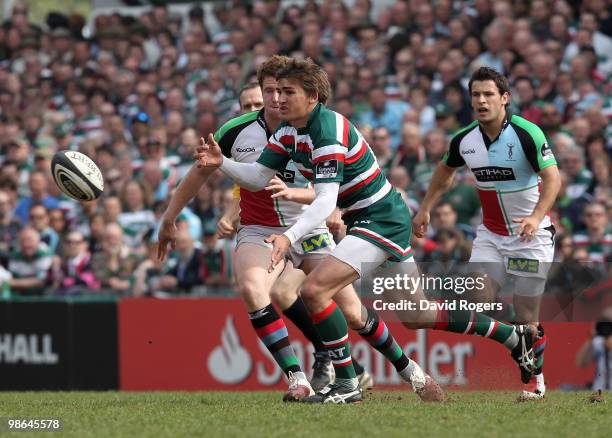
210 414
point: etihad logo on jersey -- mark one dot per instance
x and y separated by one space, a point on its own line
468 151
248 149
493 173
288 176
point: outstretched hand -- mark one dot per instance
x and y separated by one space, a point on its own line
208 153
527 228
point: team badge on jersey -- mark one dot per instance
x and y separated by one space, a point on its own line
327 169
510 153
546 152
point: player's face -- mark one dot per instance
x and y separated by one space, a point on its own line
295 104
487 102
251 100
271 94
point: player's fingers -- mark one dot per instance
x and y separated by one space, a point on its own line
270 238
517 220
279 194
211 140
161 250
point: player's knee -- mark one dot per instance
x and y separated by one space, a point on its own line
250 293
311 292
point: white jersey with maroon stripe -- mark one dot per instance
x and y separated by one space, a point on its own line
243 139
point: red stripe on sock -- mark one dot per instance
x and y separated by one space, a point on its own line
318 317
270 328
378 333
441 319
336 365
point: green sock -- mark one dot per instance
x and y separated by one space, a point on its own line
469 322
333 329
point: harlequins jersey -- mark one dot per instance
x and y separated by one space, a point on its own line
330 149
243 139
506 170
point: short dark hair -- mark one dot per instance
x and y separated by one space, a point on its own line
490 74
310 75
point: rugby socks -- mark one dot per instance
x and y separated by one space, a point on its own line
333 329
474 323
298 315
272 331
538 349
378 336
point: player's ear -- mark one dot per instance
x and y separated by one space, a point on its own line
313 98
505 98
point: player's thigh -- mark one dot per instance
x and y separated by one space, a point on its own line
487 263
286 288
254 280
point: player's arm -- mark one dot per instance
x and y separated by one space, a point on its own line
543 162
551 184
228 223
323 205
300 195
441 181
251 176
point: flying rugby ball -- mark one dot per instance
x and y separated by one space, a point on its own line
76 175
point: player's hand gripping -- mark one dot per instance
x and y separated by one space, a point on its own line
279 189
280 246
420 223
225 227
167 235
208 153
527 227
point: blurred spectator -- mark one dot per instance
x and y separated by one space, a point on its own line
598 350
30 265
38 195
184 266
9 227
444 216
114 264
217 270
597 236
148 274
75 273
41 222
385 112
572 162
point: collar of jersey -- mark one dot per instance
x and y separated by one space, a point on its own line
485 138
313 114
262 122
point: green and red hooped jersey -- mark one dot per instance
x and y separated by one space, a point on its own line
506 170
243 138
330 149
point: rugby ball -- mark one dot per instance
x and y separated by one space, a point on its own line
76 175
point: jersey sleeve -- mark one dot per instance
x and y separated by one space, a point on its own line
225 142
534 145
274 156
453 158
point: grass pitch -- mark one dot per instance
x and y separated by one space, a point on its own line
262 414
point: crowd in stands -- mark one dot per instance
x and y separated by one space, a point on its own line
137 95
